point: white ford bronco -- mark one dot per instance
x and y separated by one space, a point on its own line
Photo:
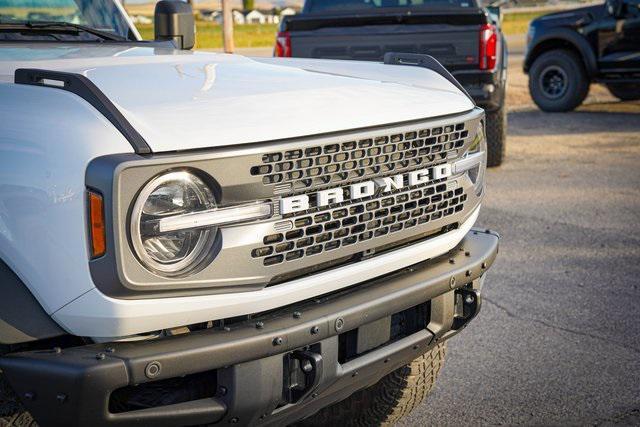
196 238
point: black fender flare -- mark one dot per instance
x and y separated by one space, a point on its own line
22 318
563 35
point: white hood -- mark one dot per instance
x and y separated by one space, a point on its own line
184 100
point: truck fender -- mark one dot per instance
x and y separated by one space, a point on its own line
22 318
558 38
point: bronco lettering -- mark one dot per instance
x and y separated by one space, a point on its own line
363 189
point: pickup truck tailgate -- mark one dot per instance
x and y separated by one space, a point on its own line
368 38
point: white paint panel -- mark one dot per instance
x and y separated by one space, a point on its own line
47 138
181 100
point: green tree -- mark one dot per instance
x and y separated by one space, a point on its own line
248 4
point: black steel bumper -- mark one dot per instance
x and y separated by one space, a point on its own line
273 369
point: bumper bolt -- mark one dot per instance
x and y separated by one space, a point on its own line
314 395
315 330
61 398
57 350
234 420
469 299
278 341
452 261
307 366
355 374
259 325
452 282
468 273
100 356
467 253
153 369
484 265
339 324
223 391
110 350
297 314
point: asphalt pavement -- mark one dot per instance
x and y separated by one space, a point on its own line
558 339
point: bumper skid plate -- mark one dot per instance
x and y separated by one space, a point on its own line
275 367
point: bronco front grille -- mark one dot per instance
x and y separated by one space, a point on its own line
348 223
293 243
337 163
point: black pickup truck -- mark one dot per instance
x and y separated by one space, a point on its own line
464 36
568 50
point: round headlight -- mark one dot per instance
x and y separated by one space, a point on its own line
176 252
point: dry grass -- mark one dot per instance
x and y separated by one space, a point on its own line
209 34
518 22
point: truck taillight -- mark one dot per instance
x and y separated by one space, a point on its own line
283 44
488 53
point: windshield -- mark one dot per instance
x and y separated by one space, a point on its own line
102 15
373 5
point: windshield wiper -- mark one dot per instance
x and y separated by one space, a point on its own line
68 25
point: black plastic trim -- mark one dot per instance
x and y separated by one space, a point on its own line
85 89
71 386
424 61
22 318
559 36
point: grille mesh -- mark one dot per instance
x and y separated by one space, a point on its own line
301 169
322 231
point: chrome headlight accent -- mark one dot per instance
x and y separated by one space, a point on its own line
172 252
474 161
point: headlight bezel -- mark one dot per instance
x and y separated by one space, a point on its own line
120 178
478 146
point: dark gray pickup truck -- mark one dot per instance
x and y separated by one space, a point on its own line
464 36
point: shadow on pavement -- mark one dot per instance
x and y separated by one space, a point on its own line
531 122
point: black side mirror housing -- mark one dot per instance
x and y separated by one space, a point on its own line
174 21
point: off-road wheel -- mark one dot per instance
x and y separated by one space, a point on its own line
625 91
496 136
12 413
558 81
390 399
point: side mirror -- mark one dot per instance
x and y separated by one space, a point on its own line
174 21
615 8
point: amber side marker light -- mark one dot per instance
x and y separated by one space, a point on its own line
96 225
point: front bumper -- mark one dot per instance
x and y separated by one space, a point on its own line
257 364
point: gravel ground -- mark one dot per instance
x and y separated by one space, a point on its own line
558 338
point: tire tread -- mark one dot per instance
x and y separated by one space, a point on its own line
390 399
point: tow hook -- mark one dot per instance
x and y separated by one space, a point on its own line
467 305
303 371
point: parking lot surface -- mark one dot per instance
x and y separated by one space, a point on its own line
558 338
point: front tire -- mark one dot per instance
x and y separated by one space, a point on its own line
558 81
390 399
625 91
12 413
